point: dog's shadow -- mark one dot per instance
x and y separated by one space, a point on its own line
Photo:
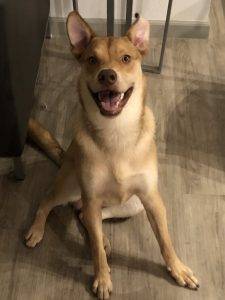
63 254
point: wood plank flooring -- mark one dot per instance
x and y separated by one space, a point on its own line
188 100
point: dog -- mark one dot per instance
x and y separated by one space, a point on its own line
110 168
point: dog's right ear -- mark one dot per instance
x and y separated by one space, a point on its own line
79 33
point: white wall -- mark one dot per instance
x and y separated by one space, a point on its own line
183 10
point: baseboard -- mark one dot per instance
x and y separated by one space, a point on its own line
178 29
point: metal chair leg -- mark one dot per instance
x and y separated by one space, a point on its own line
110 17
75 5
147 68
19 173
129 14
48 34
158 69
165 34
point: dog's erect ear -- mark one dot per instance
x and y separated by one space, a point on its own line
79 33
138 34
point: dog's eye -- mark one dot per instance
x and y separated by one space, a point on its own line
126 58
92 60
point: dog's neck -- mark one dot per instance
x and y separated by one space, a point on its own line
118 132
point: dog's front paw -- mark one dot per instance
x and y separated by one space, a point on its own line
183 275
34 235
102 285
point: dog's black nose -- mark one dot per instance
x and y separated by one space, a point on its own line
107 76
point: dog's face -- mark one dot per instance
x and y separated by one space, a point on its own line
111 66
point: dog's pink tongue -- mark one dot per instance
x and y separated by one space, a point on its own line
109 100
107 106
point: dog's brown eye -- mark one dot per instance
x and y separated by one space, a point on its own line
92 60
126 58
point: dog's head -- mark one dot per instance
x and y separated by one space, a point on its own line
111 67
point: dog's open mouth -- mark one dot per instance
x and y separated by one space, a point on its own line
111 102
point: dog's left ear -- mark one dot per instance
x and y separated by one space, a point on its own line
138 34
79 33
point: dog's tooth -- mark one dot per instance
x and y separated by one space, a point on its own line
121 96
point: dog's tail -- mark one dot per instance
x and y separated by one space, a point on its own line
45 141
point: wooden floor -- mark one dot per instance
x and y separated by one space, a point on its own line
188 100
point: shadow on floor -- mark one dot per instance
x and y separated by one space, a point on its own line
63 254
196 127
116 259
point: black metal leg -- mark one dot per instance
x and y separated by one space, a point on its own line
75 5
129 14
48 34
165 34
158 69
110 17
147 68
19 173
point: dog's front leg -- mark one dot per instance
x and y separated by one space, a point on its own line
156 213
93 222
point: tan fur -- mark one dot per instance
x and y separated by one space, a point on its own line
38 134
111 161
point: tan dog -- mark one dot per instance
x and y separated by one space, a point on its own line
111 163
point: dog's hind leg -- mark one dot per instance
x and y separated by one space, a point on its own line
131 207
36 232
65 190
45 141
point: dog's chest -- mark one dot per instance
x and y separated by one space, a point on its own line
120 182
